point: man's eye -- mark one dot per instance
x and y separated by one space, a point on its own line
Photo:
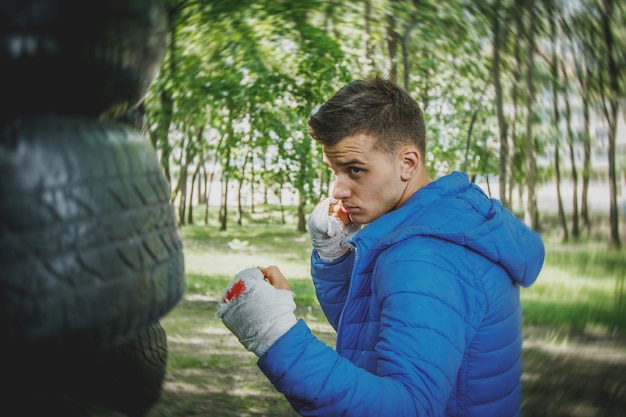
355 171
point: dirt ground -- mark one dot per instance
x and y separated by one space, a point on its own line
565 375
577 375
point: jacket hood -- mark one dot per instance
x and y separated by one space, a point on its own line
454 209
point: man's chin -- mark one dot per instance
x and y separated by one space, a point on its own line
360 218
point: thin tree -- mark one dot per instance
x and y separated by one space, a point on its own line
515 108
556 90
610 112
241 177
225 183
572 157
406 38
368 46
194 177
582 73
530 215
391 36
497 83
580 46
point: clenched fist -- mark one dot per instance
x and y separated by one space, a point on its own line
330 228
255 311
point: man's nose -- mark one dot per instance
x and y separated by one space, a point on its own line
341 189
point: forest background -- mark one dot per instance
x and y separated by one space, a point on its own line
518 94
527 97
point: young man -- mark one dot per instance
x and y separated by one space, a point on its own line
424 297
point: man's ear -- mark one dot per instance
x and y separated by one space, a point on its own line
411 160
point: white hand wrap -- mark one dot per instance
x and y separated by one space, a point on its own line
328 234
256 312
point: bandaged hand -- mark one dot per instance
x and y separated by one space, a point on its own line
329 234
256 312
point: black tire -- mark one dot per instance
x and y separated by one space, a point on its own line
90 252
77 57
124 381
128 379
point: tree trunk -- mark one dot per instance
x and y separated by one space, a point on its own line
265 187
405 47
224 204
240 189
392 46
587 161
468 141
582 74
252 184
530 215
488 185
502 127
572 157
225 183
211 176
367 34
611 116
283 220
324 180
301 216
202 183
194 178
239 204
517 75
209 187
182 192
554 67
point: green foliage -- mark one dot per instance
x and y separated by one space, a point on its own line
240 79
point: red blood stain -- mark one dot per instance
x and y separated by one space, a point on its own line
235 291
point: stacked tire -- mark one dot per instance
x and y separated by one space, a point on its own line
90 252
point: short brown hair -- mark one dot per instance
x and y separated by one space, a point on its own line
374 106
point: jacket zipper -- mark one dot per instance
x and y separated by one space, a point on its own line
343 310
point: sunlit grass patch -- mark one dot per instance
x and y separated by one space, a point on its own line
580 287
206 284
212 252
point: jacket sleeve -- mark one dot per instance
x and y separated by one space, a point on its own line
426 316
331 281
318 382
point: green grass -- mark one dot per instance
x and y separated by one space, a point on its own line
580 287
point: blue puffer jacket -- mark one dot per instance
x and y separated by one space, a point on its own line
427 313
